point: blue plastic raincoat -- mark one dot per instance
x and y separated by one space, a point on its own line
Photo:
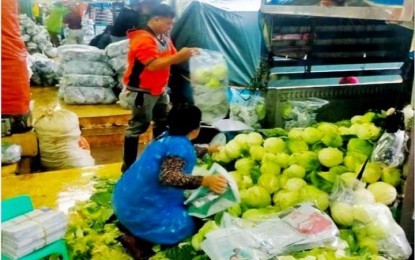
148 209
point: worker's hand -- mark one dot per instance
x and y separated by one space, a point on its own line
214 148
216 183
195 51
185 53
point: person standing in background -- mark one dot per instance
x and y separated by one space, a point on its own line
149 59
131 17
74 22
54 24
37 13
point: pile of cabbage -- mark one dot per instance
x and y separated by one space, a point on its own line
36 38
288 167
276 169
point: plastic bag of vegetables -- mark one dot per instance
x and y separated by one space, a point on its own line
117 48
363 213
81 53
301 113
247 106
209 76
87 67
88 95
81 80
10 153
45 70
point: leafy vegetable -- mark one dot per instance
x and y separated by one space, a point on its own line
384 192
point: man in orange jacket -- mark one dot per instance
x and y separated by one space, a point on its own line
149 58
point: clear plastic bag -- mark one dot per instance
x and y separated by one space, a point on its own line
117 48
298 228
209 76
87 67
301 113
79 80
88 95
119 63
10 153
80 53
389 149
372 223
247 106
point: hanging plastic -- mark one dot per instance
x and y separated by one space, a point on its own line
301 113
209 76
247 106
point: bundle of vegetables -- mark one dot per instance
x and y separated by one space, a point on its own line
44 70
91 234
36 37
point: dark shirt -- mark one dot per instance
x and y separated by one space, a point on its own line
74 20
101 41
172 172
126 20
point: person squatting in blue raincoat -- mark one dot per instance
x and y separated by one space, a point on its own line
148 200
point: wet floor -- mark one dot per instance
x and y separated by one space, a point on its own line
57 189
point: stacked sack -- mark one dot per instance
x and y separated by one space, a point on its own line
36 38
29 232
59 135
117 54
88 28
86 78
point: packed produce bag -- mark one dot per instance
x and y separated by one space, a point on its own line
63 48
117 49
117 54
45 70
10 153
88 95
247 106
119 63
31 231
81 80
301 113
389 149
82 53
209 76
203 203
298 228
87 67
58 133
353 206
